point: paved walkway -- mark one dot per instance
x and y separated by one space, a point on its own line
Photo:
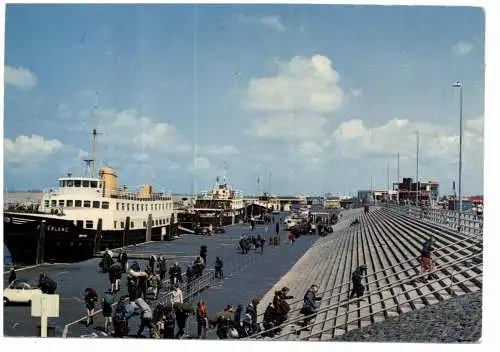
245 278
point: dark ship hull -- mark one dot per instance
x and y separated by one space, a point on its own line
64 242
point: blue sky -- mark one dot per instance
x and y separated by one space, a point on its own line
319 97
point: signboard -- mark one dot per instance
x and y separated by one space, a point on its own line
46 305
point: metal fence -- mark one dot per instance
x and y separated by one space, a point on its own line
465 223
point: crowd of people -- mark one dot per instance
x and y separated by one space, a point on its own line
161 317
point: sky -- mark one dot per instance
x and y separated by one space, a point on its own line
292 99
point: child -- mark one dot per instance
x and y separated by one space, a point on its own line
107 308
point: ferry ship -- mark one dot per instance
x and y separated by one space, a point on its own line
86 215
219 207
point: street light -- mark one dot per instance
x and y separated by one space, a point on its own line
417 185
458 84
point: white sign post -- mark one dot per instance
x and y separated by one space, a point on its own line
45 306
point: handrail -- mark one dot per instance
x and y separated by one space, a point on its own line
378 311
385 277
191 289
390 267
444 218
378 290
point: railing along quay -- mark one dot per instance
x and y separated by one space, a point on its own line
390 245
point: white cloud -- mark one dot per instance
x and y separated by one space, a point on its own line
19 77
273 22
29 150
463 48
302 84
475 124
129 131
288 126
355 139
310 148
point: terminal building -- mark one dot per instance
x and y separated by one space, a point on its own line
408 190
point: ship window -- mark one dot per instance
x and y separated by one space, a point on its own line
61 202
95 204
117 206
69 203
89 224
115 223
79 223
144 224
105 205
78 183
131 224
93 184
86 203
146 207
122 224
133 206
47 203
69 183
142 207
128 206
156 222
61 183
78 203
85 184
54 203
99 185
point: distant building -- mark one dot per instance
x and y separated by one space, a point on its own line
332 203
406 191
365 197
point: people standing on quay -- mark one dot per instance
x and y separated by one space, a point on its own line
12 275
202 319
218 268
162 264
90 299
123 259
107 309
203 253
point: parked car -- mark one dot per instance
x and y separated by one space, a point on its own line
20 291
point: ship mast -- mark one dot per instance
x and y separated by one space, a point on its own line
94 135
224 172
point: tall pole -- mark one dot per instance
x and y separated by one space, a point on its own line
195 98
458 84
269 190
371 189
388 189
94 135
398 179
398 170
417 185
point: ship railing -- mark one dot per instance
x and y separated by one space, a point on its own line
138 197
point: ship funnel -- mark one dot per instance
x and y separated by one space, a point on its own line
147 191
109 176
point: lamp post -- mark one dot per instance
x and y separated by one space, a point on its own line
417 185
458 85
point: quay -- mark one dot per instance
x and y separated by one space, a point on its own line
387 239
